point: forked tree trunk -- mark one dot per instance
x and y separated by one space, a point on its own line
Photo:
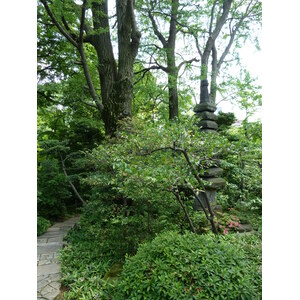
116 82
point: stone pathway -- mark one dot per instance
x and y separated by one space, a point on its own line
48 267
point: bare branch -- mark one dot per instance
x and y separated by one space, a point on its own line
195 173
145 71
212 17
88 104
197 45
187 62
156 31
70 182
177 195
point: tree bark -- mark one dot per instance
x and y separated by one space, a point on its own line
177 195
213 34
70 182
169 48
172 69
172 86
107 67
116 83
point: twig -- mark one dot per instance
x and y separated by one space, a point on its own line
70 182
177 195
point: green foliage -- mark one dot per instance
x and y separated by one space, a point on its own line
63 133
53 190
225 120
242 164
242 91
129 180
189 266
83 265
42 225
133 202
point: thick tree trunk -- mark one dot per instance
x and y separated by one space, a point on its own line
125 74
173 95
171 67
106 65
116 83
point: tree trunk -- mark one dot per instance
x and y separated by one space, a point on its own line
116 83
172 85
169 48
125 74
210 43
214 74
173 97
106 65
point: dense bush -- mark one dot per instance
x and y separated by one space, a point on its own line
42 225
63 135
136 176
130 185
190 266
53 190
242 164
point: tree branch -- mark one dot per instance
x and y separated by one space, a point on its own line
212 17
70 182
59 27
81 30
177 195
135 34
197 45
88 104
195 173
187 62
156 31
86 71
43 94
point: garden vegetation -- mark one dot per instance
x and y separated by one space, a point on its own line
119 144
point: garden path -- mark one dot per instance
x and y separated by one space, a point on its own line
48 267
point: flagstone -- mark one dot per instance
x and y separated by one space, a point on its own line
48 266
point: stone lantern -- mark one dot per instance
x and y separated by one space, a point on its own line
205 111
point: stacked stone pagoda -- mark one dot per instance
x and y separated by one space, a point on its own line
205 111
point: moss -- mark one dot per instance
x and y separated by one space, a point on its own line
114 272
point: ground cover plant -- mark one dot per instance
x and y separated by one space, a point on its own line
42 225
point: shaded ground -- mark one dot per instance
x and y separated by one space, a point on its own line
48 267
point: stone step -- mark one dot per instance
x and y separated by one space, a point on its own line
48 266
245 228
48 269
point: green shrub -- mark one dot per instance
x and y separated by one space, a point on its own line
190 266
42 225
53 191
83 265
242 167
